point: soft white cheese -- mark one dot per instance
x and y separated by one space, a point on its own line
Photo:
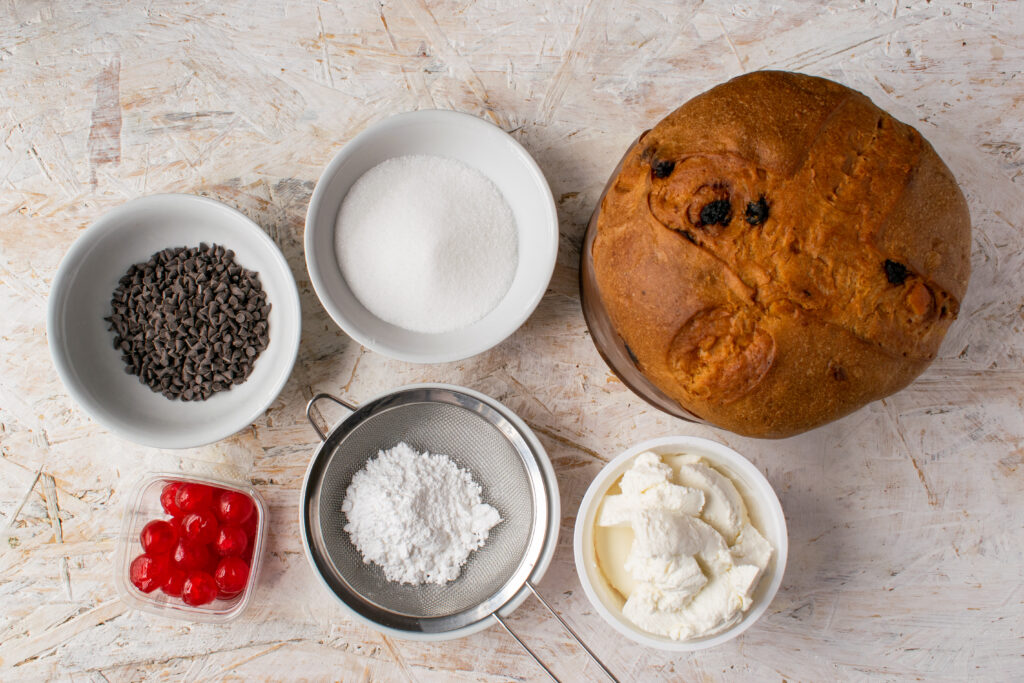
724 508
695 558
646 486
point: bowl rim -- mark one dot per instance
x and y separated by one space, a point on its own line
539 570
313 216
110 222
772 510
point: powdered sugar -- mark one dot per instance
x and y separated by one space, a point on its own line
426 243
417 515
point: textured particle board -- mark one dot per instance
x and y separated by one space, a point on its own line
904 518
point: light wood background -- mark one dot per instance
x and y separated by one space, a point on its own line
905 519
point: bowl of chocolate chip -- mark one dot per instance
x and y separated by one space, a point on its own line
174 321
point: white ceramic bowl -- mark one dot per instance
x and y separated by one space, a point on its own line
82 347
764 509
486 148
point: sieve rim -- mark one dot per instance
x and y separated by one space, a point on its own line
512 592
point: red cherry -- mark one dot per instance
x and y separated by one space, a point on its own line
194 497
231 540
158 537
167 498
231 575
174 582
199 588
176 523
221 595
247 555
251 526
188 555
147 572
234 507
211 566
199 527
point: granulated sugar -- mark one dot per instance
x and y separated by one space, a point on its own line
426 243
416 515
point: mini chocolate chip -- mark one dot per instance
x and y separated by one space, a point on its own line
169 313
718 212
757 212
895 273
663 169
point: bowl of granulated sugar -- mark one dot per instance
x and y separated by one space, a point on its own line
431 236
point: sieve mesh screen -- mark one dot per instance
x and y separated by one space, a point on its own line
473 443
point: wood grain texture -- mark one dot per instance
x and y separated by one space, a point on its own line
904 518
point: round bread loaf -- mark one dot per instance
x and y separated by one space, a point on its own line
779 251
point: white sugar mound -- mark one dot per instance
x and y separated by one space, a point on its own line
426 243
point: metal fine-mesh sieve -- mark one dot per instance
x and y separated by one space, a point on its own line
503 456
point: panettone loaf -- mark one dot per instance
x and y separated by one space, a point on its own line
779 251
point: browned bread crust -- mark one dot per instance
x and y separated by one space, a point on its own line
779 251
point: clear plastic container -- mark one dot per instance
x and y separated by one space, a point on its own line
142 507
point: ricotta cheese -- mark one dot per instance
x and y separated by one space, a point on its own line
695 558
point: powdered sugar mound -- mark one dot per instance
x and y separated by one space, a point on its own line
417 515
426 243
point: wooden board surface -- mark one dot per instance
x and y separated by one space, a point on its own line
905 519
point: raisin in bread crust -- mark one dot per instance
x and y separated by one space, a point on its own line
779 251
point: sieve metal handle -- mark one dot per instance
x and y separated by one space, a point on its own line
312 403
525 647
579 641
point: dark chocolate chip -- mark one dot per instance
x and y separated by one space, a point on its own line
895 273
